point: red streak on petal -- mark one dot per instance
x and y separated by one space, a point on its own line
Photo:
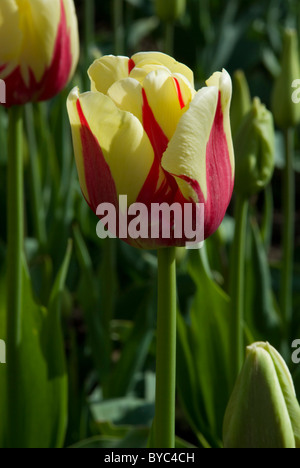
180 97
158 139
160 186
55 76
100 184
219 174
131 66
153 191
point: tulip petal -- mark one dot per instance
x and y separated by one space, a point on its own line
186 152
9 21
166 100
156 58
200 155
223 82
125 147
140 74
72 27
104 72
39 25
127 95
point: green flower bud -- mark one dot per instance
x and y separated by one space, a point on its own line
170 10
286 111
263 411
241 100
254 146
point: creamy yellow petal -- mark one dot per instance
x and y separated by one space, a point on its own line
186 153
9 28
104 72
124 144
127 95
143 58
163 97
77 143
140 74
38 22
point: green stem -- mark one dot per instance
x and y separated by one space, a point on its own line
238 285
169 38
286 291
15 233
164 422
36 188
109 282
118 27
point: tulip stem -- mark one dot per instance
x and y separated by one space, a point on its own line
164 422
286 291
15 233
238 285
36 189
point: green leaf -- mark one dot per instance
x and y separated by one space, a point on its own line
122 411
135 352
261 313
203 354
135 438
89 296
36 413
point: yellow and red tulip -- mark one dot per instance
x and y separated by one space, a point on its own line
39 48
143 131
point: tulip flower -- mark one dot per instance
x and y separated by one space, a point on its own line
39 48
144 132
263 411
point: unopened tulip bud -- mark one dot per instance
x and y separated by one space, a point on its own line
241 100
145 133
263 411
286 110
254 149
170 10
